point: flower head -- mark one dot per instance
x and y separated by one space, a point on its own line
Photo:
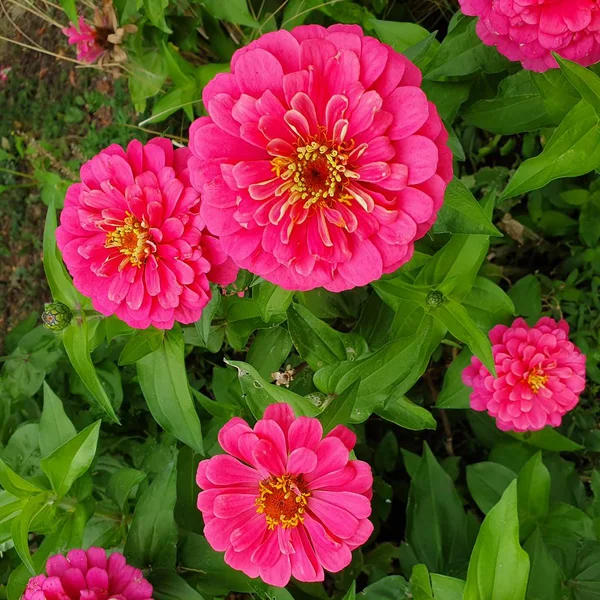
133 240
540 375
4 72
528 31
285 500
321 161
89 48
88 574
56 316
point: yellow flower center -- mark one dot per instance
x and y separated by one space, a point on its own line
317 174
282 501
131 239
537 380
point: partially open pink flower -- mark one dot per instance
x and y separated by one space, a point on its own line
132 237
529 30
285 501
89 49
88 575
322 160
540 376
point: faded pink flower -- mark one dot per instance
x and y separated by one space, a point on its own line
285 501
4 71
529 30
540 376
132 237
321 161
88 575
89 48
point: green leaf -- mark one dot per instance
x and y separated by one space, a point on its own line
526 295
232 11
399 36
461 213
351 593
585 81
140 344
393 587
339 410
573 150
454 393
208 313
163 379
259 394
272 300
488 304
545 578
547 439
121 485
174 100
187 514
533 485
72 459
75 339
420 583
155 11
14 484
486 482
153 533
499 567
589 222
55 427
69 7
21 526
242 318
447 588
400 410
146 77
167 585
268 350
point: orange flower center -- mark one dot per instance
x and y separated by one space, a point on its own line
317 174
537 380
282 501
131 239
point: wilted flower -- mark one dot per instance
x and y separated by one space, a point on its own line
528 31
133 240
540 375
284 500
56 316
4 71
321 161
88 574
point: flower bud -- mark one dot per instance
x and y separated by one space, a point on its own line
56 316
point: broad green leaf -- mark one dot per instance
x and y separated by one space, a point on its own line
155 11
448 97
259 394
72 459
233 11
208 313
153 534
499 567
22 453
589 222
55 427
75 339
14 484
21 526
71 11
558 94
547 439
461 213
268 350
399 36
167 585
585 578
177 98
454 393
242 318
140 344
533 487
420 583
573 150
400 410
447 588
374 322
564 522
488 304
340 408
122 484
545 578
486 482
164 383
272 300
526 295
187 514
146 77
585 81
393 587
181 72
351 593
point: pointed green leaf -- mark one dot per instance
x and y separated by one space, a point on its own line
340 408
55 427
14 484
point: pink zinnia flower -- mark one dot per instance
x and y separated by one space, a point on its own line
89 48
322 160
287 501
133 240
529 30
90 575
540 375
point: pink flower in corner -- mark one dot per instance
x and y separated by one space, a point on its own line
540 376
528 31
89 50
132 237
88 574
321 161
285 500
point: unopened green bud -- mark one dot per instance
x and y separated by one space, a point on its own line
56 316
435 299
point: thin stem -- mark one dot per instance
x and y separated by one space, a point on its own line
38 13
308 10
167 135
17 173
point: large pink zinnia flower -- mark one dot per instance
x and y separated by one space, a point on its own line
287 501
88 575
540 376
89 48
131 236
322 160
529 30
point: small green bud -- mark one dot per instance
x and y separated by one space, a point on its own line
435 299
56 316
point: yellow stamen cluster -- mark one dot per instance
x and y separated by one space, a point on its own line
131 239
282 501
537 380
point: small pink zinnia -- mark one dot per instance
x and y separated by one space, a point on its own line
132 237
528 31
540 375
90 575
321 161
89 49
287 501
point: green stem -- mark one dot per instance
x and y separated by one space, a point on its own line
17 173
